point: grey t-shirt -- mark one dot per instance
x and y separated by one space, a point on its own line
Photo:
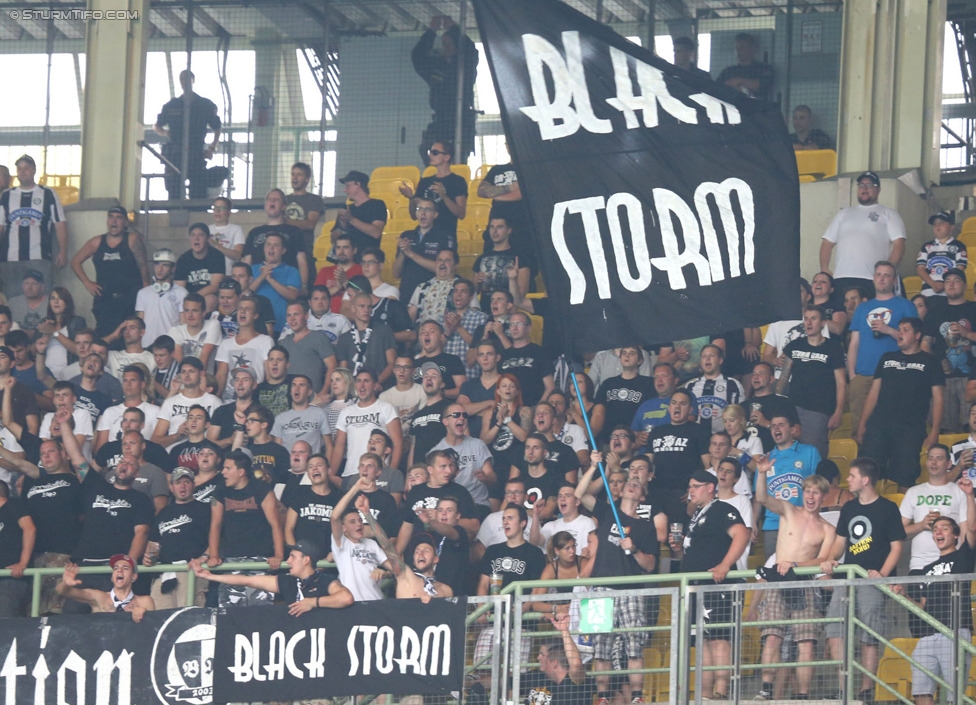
373 349
308 425
472 454
305 357
151 480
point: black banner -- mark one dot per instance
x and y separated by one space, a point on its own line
107 659
385 646
665 206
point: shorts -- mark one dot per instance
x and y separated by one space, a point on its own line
483 652
51 601
936 653
628 612
869 608
718 610
896 448
774 608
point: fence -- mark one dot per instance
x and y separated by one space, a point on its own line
504 632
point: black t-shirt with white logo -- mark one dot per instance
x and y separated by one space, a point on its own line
426 497
677 453
869 530
314 512
542 487
812 383
938 596
182 530
427 428
450 366
530 365
245 530
292 589
55 504
538 689
384 510
111 516
620 398
707 541
524 562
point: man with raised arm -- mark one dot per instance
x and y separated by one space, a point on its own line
119 598
414 571
304 587
362 564
804 539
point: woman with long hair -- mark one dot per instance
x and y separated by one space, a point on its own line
504 428
61 324
563 564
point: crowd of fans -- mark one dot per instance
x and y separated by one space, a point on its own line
240 401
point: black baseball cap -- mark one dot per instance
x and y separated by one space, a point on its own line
357 176
118 210
308 548
870 176
943 215
192 362
705 477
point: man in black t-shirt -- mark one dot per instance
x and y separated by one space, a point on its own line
292 237
814 372
17 536
529 362
561 678
764 403
677 449
950 329
906 383
870 534
418 506
432 341
365 217
501 185
53 498
304 588
271 461
179 533
634 553
542 479
620 396
309 506
715 539
515 558
417 249
426 427
934 651
491 268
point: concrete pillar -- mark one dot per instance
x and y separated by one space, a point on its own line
891 86
267 69
114 94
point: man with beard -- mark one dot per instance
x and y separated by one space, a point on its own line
150 479
336 277
117 516
862 234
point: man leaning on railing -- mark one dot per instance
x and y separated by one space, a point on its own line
936 652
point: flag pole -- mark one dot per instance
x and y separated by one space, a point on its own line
589 432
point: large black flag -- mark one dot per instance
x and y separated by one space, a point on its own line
665 206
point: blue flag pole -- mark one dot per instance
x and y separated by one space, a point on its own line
589 432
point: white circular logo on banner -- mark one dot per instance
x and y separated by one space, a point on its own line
183 657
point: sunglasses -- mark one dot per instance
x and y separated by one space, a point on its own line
457 415
436 152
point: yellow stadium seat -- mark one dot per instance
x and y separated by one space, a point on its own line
968 226
951 439
895 497
323 244
410 174
846 428
806 179
476 217
818 163
474 198
895 671
912 286
537 324
481 172
389 193
968 238
402 213
462 170
843 447
844 466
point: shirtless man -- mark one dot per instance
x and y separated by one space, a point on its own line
804 539
412 581
119 599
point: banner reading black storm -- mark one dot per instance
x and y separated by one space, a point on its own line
385 646
195 656
665 206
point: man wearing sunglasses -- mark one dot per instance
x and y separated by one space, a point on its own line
475 469
447 190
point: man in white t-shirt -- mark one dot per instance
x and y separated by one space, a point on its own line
360 560
248 349
160 303
226 237
490 531
169 430
320 316
196 337
357 421
475 469
65 398
569 520
131 330
862 234
926 502
406 396
109 425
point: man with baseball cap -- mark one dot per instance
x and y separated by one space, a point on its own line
119 259
948 333
179 533
304 587
863 234
31 217
364 218
160 303
940 254
119 598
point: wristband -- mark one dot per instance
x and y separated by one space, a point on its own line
317 601
745 459
238 427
